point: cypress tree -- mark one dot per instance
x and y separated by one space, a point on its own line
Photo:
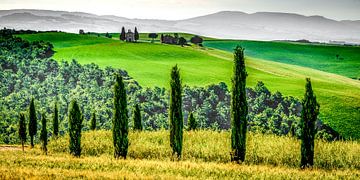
32 122
192 122
75 124
122 34
93 122
22 130
175 114
310 111
136 34
120 126
239 107
137 118
43 134
56 121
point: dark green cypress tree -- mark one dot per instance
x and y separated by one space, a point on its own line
239 107
310 111
137 118
56 121
175 114
136 34
93 122
22 130
32 122
43 134
75 124
122 34
120 125
192 122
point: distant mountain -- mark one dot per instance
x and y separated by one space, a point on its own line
225 24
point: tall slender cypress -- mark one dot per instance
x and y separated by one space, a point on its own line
22 130
122 34
309 113
75 124
175 114
137 118
120 125
136 34
192 122
239 107
93 122
32 122
43 134
56 121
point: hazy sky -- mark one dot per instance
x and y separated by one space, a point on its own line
180 9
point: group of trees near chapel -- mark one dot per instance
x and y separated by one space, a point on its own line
120 120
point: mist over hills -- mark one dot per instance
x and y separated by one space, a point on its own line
225 24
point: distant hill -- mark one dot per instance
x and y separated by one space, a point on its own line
225 24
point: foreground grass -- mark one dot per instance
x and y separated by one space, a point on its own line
210 146
206 155
150 64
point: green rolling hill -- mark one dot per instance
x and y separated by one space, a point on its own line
150 63
342 60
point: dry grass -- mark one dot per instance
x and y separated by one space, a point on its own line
206 156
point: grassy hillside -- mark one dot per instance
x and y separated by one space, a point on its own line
321 57
150 63
206 155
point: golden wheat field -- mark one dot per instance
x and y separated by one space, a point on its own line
206 155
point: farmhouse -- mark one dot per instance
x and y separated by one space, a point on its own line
130 36
168 39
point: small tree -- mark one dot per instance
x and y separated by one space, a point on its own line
162 38
75 124
153 36
175 114
182 41
239 107
32 122
120 126
22 130
309 114
56 121
43 134
122 34
192 122
93 122
196 40
136 34
137 118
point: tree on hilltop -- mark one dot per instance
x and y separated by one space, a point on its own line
136 34
122 34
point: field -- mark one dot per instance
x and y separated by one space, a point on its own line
206 155
150 63
316 56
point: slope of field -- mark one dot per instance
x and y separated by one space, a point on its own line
150 63
206 154
321 57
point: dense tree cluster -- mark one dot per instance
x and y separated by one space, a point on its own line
25 72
